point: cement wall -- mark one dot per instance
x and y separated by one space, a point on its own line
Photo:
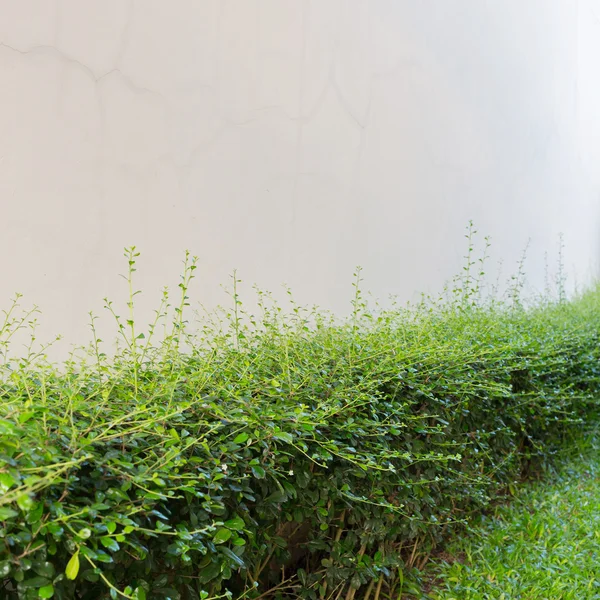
292 140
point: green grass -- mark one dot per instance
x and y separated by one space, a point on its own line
545 545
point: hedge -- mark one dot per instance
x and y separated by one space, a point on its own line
286 455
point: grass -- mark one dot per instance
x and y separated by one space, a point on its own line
544 545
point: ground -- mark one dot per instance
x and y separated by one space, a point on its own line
545 545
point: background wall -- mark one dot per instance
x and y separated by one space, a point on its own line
292 140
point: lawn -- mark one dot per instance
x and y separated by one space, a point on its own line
544 545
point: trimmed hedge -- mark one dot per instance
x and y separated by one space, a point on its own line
289 456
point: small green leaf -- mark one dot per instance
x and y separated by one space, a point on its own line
25 502
6 481
233 557
46 592
35 582
140 593
4 568
236 524
241 438
258 471
209 572
45 569
31 480
73 566
221 536
103 557
36 514
110 543
284 436
7 513
24 417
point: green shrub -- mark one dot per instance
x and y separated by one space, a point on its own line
288 455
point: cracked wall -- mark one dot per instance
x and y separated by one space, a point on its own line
292 140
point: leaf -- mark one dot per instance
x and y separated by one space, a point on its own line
110 543
258 471
284 436
24 417
45 569
36 514
139 593
236 524
209 572
89 552
31 480
25 502
46 592
35 582
241 438
168 593
7 513
221 536
277 497
233 556
4 568
104 557
6 481
73 566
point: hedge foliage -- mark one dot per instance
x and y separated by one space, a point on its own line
288 455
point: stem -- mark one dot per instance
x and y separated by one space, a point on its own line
369 589
378 590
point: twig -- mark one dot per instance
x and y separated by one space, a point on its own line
338 535
412 556
352 590
369 590
378 590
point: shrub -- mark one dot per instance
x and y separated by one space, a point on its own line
291 455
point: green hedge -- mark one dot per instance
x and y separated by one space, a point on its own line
283 456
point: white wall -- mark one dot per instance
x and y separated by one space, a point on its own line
292 139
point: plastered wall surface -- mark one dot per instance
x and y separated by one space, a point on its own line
292 140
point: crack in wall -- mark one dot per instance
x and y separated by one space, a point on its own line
52 51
